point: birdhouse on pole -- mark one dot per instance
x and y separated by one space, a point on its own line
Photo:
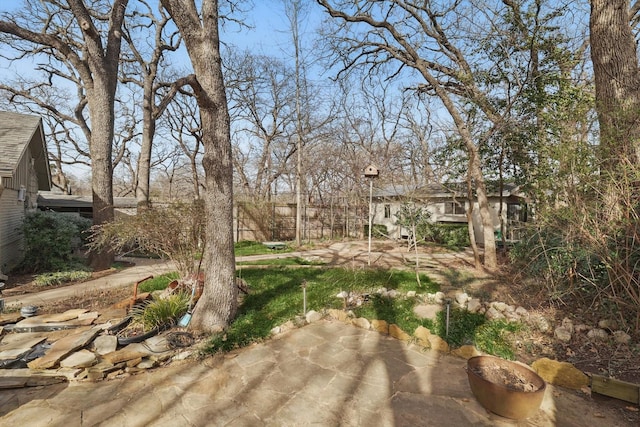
371 172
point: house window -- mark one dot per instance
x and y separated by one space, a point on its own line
387 211
517 212
453 208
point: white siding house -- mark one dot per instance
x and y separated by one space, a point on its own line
24 169
448 204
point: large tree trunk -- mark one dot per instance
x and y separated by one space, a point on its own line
218 303
615 66
144 161
102 116
474 172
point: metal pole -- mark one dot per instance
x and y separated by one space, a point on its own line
370 219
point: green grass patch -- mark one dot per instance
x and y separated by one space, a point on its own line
276 297
60 277
282 261
249 247
462 326
493 337
158 283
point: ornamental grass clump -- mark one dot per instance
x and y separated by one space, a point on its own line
161 312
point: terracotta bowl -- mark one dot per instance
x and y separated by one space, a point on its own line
501 399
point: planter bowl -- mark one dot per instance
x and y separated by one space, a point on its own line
501 399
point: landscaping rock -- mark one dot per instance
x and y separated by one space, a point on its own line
522 312
462 298
540 322
79 359
92 315
597 334
276 330
104 344
123 355
147 363
621 337
340 315
512 317
15 345
7 318
562 374
429 340
494 314
562 334
63 347
500 306
361 322
609 324
422 334
396 332
466 352
427 311
380 326
474 305
313 316
157 344
411 294
567 324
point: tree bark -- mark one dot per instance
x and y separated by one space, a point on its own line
615 66
218 303
617 80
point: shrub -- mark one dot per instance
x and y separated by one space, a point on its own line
176 232
378 231
57 233
452 236
559 261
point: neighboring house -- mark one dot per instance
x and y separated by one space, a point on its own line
24 169
83 205
449 204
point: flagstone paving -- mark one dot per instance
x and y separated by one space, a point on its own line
327 373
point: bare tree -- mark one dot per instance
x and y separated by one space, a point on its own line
142 61
88 41
200 32
262 98
186 130
396 37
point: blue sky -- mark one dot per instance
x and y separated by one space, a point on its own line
267 35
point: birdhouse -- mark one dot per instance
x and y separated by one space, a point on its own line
371 172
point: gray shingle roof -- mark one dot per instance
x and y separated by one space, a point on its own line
17 131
